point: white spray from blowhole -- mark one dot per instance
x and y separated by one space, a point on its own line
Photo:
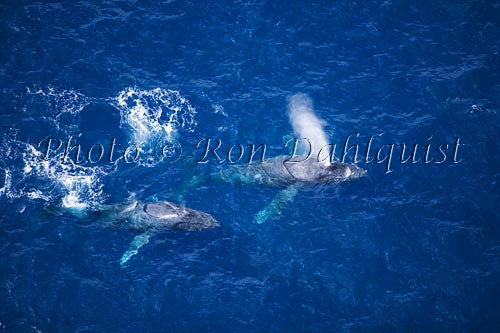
307 125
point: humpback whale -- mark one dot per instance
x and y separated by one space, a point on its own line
151 217
281 171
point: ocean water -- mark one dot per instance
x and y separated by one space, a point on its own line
412 250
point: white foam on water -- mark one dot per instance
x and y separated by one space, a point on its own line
63 105
81 186
37 194
307 125
65 101
219 109
73 201
12 193
5 190
154 116
151 118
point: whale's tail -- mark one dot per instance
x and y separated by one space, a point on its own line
306 124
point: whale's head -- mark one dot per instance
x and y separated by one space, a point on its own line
196 220
338 172
313 172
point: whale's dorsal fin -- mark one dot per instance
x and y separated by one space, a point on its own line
138 242
275 207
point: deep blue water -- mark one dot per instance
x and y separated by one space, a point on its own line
414 250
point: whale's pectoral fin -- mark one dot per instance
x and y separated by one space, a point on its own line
276 206
138 242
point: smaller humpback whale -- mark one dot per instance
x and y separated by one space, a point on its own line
152 217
